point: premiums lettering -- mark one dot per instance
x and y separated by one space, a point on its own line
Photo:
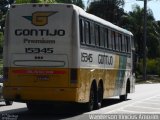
105 59
39 32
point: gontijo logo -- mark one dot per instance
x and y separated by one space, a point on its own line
40 18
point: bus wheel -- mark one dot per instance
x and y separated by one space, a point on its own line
100 96
31 106
92 99
124 97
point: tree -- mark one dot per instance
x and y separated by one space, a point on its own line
35 1
76 2
134 23
110 10
48 1
27 1
79 3
4 5
158 37
1 46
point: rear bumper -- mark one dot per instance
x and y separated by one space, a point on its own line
23 94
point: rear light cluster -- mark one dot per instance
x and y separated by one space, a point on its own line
5 73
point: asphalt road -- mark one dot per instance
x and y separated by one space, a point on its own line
145 100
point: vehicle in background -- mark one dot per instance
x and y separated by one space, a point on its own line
1 96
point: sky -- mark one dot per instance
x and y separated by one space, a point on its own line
154 5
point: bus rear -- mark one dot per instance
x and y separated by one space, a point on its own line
37 53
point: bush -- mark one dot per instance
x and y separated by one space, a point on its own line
158 66
153 66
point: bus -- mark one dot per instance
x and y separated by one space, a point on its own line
59 53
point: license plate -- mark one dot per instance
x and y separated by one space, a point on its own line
43 77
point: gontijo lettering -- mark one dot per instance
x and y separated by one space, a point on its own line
105 59
39 32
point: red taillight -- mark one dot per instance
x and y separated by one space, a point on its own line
5 73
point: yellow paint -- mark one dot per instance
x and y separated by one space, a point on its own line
25 78
25 82
40 93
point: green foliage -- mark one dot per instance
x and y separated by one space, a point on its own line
35 1
1 44
158 66
134 22
76 2
48 1
27 1
4 5
110 10
153 66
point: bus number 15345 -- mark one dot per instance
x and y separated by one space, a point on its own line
39 50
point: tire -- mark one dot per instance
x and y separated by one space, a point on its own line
100 96
91 105
123 97
8 102
32 106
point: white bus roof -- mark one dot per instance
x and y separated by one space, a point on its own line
81 12
100 20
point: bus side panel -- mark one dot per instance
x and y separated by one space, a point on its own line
124 75
104 67
110 79
114 79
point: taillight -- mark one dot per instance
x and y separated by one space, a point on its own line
73 75
5 73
